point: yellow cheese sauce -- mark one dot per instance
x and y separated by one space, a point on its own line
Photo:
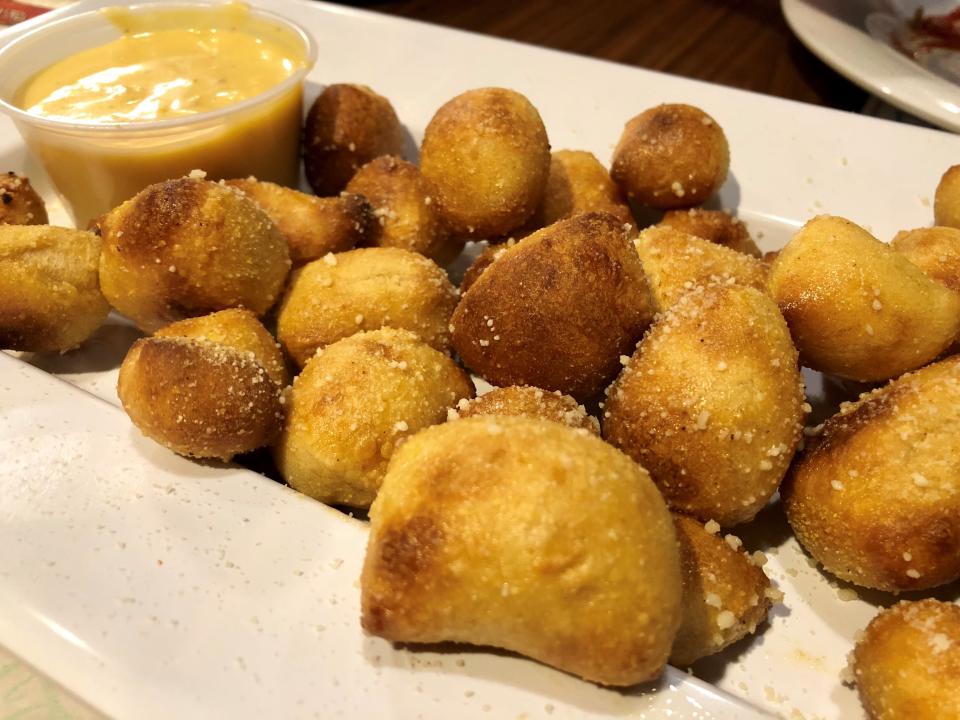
135 104
158 75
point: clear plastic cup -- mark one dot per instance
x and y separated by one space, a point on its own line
95 167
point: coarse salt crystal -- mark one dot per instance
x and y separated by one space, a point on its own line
726 620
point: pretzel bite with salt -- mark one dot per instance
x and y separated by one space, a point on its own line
526 401
946 201
347 126
406 214
487 156
313 226
716 226
676 262
875 498
557 310
934 250
50 297
239 329
19 202
907 663
726 594
365 289
671 156
712 403
578 183
354 404
198 397
857 308
189 247
527 535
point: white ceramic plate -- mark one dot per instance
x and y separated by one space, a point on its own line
152 586
836 32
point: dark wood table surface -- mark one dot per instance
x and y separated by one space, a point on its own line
741 43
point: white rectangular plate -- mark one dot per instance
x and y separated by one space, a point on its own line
152 586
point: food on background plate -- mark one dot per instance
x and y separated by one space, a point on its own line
527 401
712 403
857 308
556 310
671 156
527 535
19 202
198 397
487 156
313 226
347 126
946 200
354 404
240 330
365 289
50 298
726 593
875 497
577 183
934 250
907 663
676 262
189 247
717 226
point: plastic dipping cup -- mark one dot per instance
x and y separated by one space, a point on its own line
95 167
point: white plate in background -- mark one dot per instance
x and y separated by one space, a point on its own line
152 586
836 32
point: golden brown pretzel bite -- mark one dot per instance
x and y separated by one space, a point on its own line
527 535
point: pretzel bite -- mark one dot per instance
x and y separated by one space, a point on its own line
527 535
238 329
934 250
557 310
487 155
716 226
198 397
354 403
347 126
876 497
365 289
712 403
49 295
676 262
482 261
188 247
526 401
19 202
313 226
907 664
946 201
726 594
855 307
671 156
403 204
578 183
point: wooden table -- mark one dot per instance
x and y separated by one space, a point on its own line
742 43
